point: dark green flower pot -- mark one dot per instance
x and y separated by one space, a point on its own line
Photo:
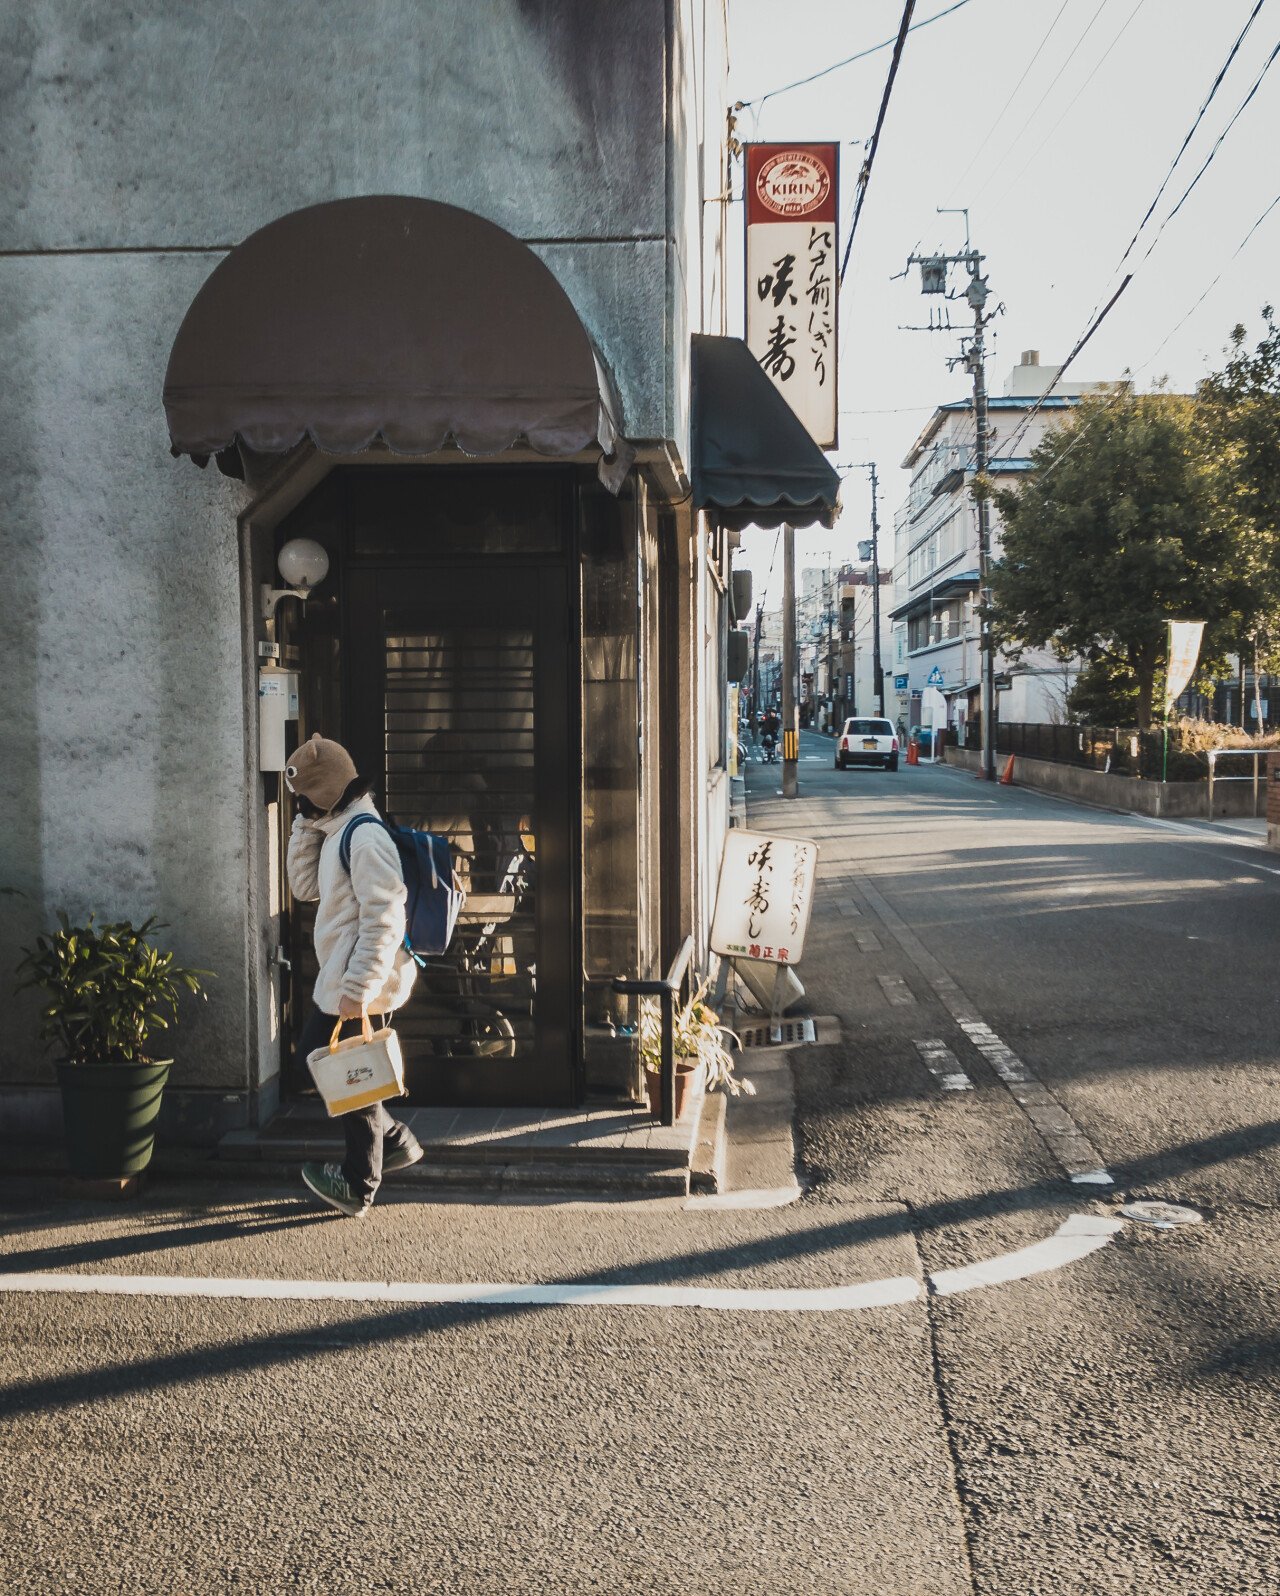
109 1114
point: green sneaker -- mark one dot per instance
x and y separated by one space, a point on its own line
394 1158
330 1186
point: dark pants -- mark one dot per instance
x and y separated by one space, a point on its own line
370 1130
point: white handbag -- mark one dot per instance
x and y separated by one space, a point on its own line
362 1070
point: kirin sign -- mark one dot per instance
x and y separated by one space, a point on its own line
791 254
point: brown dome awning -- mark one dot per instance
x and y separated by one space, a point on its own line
394 319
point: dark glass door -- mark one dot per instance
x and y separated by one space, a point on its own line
459 692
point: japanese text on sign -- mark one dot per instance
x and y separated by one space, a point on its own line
764 898
791 277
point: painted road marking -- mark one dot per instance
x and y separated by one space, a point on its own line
1075 1238
868 941
748 1197
944 1066
1059 1132
896 990
1078 1157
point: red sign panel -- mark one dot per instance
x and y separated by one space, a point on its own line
791 183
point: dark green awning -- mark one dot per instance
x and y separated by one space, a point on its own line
753 463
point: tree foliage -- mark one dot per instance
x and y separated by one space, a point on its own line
1110 536
107 989
1238 426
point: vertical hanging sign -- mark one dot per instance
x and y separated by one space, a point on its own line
792 262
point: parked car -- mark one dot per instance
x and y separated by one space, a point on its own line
867 742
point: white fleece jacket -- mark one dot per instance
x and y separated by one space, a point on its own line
360 923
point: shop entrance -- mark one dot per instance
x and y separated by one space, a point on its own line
457 673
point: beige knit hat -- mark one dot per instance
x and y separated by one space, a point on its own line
320 770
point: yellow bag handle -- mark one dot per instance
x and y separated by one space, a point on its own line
365 1027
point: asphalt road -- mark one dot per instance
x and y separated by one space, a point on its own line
1109 1426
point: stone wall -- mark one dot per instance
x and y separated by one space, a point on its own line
1186 800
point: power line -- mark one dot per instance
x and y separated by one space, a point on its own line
1122 391
1208 160
848 60
1013 93
1022 170
1039 106
1178 325
1080 343
1182 150
864 176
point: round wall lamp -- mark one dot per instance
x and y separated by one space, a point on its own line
304 564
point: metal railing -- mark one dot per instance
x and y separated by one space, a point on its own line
666 991
1214 754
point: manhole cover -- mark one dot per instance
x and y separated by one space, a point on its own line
794 1032
1164 1216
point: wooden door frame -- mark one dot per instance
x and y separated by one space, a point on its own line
356 573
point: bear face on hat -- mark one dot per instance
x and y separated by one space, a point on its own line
321 771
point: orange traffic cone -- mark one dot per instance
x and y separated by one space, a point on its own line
1007 779
913 752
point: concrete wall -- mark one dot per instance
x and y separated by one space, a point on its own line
166 125
122 721
1186 800
145 140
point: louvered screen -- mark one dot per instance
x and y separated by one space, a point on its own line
459 760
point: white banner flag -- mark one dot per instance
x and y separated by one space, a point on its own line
1184 651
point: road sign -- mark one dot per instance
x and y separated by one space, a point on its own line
900 684
936 678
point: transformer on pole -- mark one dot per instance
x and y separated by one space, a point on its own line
934 280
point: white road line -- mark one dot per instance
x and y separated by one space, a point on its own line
944 1066
1059 1132
1075 1153
1075 1238
864 1294
748 1197
896 990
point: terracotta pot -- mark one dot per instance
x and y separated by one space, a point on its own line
686 1074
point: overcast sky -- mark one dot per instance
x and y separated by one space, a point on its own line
1061 176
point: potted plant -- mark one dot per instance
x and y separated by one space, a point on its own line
699 1043
107 989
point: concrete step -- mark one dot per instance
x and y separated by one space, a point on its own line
610 1151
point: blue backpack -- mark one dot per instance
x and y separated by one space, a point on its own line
434 901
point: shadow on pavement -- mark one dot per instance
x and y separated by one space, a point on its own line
382 1327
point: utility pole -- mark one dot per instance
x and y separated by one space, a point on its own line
755 676
933 280
831 684
977 365
877 666
790 683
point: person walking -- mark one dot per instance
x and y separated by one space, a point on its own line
365 967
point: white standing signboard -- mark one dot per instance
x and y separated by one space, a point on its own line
764 898
792 268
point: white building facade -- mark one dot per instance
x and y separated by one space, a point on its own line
935 605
